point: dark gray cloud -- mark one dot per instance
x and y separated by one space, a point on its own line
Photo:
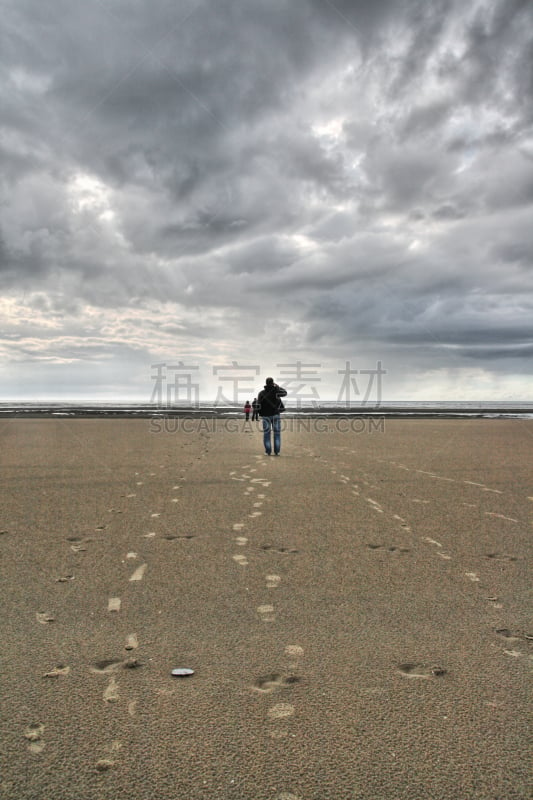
353 175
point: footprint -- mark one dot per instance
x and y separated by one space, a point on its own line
473 576
170 537
114 747
111 691
266 613
33 734
501 557
506 633
373 504
104 764
432 541
513 635
294 650
241 540
131 663
106 665
272 581
34 731
61 669
416 670
131 642
500 516
392 549
240 559
274 681
44 618
238 526
495 601
281 710
114 603
284 550
36 747
139 573
401 520
64 578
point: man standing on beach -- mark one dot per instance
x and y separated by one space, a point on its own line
270 407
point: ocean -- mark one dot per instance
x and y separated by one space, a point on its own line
400 409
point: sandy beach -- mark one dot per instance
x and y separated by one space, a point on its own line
357 612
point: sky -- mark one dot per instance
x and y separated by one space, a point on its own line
195 195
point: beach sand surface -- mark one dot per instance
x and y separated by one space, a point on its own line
357 612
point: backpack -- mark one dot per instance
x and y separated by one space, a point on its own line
270 403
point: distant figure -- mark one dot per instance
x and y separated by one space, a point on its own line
270 407
247 409
255 409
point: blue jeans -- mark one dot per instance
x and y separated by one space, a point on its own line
272 424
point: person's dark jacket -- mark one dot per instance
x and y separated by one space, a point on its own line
269 400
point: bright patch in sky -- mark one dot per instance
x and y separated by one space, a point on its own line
90 194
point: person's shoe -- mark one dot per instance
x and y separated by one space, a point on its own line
276 454
267 453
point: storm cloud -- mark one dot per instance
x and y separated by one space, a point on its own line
266 183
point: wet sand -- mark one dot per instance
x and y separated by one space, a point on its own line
356 612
